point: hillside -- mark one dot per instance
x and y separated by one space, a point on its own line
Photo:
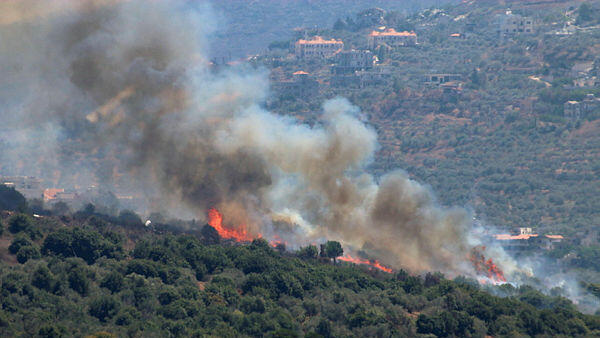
98 276
497 139
248 27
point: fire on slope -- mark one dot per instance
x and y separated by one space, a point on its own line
373 263
215 220
486 268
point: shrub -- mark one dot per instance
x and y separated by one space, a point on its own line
17 243
113 281
28 252
18 223
104 308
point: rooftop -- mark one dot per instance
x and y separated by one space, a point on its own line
318 39
392 32
50 194
508 237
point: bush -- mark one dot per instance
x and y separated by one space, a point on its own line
42 278
113 281
11 199
28 252
89 245
78 281
17 243
104 308
18 223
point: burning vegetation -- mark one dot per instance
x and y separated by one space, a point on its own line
373 263
148 106
215 220
486 268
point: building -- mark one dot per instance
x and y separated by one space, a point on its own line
301 84
588 108
440 78
376 76
353 60
53 195
392 38
510 24
318 48
30 187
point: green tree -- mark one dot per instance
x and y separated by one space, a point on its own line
19 223
28 252
19 242
42 278
78 281
113 281
333 249
308 252
104 308
11 199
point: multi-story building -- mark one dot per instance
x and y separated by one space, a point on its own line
318 48
514 24
589 107
354 60
301 84
440 78
392 38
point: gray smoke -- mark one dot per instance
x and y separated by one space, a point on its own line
119 93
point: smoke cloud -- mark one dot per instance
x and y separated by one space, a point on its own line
120 93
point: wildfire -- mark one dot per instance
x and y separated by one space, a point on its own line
215 220
375 263
486 267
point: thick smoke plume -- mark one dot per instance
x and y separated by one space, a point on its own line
120 93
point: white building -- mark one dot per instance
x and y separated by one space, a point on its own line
392 38
514 24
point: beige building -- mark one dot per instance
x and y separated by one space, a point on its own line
392 38
514 24
318 48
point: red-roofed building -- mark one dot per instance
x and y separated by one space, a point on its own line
318 48
392 38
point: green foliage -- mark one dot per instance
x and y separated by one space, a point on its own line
87 244
21 223
42 278
12 200
308 252
104 308
18 242
333 249
128 218
26 253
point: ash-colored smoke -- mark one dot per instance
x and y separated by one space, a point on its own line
124 94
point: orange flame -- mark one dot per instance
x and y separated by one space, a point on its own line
215 220
375 263
486 267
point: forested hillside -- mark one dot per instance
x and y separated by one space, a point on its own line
89 274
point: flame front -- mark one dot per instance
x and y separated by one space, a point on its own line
215 220
375 263
486 267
